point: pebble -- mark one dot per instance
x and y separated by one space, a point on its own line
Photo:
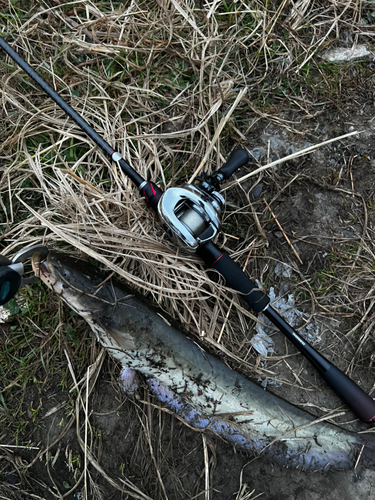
256 192
257 153
362 149
347 234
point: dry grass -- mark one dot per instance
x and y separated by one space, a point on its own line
174 86
156 80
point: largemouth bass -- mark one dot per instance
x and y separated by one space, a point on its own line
200 388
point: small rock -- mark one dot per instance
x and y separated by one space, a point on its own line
362 149
278 234
257 153
347 234
256 192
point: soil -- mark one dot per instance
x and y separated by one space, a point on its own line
325 210
124 452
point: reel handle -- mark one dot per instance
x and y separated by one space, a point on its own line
237 159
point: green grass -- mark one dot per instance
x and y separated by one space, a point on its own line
33 357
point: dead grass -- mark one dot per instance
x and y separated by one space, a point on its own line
159 82
174 86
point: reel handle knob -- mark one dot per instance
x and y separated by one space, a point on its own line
10 281
237 159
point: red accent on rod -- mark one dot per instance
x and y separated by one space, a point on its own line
144 194
217 259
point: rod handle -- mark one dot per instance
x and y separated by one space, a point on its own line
355 398
234 276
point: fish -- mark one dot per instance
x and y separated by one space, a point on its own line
196 385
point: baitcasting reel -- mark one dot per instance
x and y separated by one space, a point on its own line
12 271
191 214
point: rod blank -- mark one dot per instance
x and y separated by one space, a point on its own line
94 136
355 397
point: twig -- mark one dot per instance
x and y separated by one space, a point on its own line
289 157
359 457
284 233
206 469
86 421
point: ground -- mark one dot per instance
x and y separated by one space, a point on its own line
323 201
131 438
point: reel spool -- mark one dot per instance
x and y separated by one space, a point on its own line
191 215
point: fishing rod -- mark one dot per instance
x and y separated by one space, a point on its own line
191 216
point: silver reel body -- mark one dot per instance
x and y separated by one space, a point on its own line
190 215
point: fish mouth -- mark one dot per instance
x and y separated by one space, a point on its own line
41 268
73 280
44 269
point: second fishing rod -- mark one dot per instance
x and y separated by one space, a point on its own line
191 215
